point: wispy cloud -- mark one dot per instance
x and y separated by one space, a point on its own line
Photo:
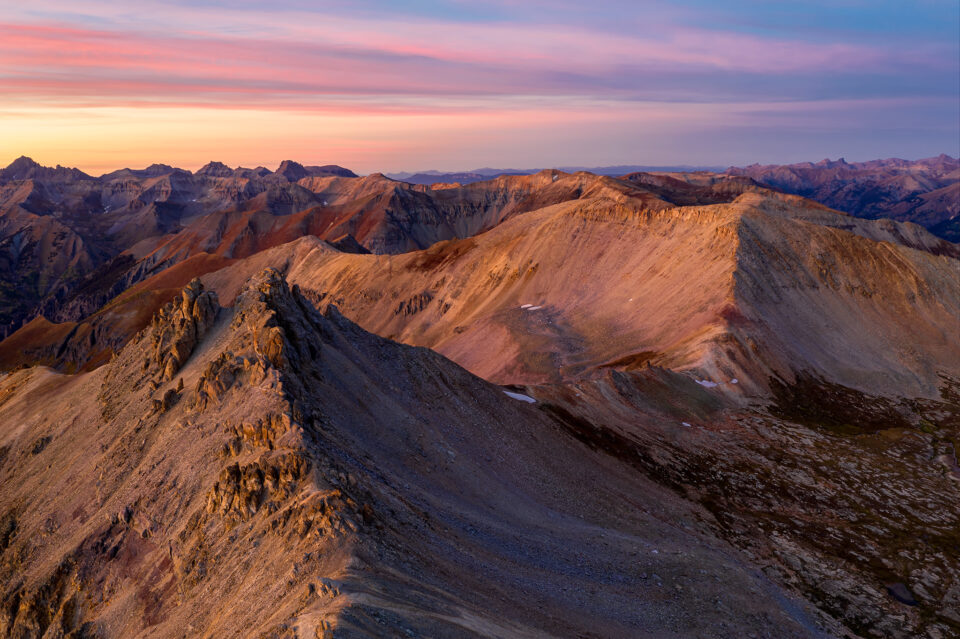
341 56
432 57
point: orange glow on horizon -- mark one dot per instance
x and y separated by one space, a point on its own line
101 139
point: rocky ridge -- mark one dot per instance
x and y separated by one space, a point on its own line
278 442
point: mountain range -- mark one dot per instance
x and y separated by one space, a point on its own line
925 192
478 175
306 403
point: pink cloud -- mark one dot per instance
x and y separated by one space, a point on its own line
345 57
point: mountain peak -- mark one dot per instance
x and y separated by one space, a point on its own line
25 168
160 169
330 170
215 169
291 170
829 164
294 171
22 163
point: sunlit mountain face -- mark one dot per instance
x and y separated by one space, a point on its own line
456 321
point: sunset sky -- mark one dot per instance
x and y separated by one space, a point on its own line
386 86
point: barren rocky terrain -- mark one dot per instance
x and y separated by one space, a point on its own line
302 403
271 471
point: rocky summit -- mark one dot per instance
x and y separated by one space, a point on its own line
302 403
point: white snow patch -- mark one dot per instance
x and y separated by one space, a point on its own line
521 397
526 305
687 424
534 308
324 202
734 380
707 383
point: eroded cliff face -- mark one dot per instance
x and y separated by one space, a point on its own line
177 329
271 471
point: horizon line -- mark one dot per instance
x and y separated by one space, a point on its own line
680 167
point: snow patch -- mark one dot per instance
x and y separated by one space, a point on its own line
534 308
520 396
734 380
687 424
707 383
526 305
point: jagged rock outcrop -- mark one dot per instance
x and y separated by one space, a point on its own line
178 328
